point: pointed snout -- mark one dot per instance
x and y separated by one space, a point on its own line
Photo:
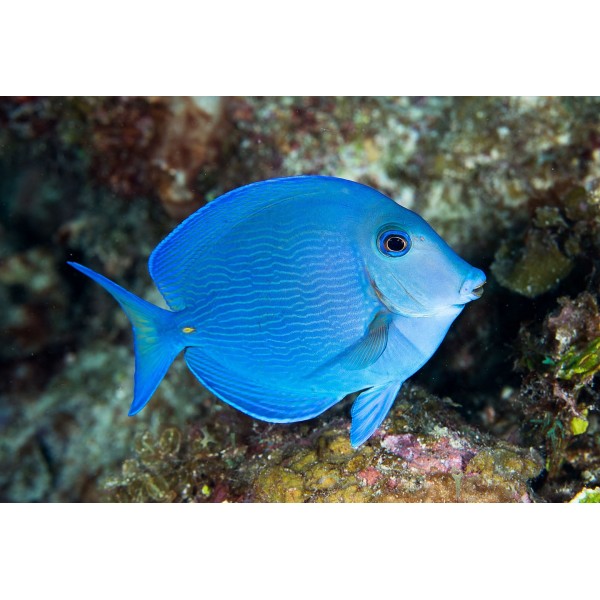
472 286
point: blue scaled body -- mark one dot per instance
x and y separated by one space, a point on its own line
288 294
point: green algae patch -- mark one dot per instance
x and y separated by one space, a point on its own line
587 496
579 425
580 364
279 484
158 488
504 463
169 442
304 461
534 269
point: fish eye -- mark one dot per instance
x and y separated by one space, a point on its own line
394 243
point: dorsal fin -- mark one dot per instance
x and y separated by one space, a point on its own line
181 253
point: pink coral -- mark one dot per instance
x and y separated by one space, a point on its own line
441 457
370 475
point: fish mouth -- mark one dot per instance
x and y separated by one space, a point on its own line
478 291
472 285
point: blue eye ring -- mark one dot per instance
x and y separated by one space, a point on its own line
393 242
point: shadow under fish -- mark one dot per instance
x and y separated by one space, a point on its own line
286 295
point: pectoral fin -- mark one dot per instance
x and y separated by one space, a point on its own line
369 410
368 349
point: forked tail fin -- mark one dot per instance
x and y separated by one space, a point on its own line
156 343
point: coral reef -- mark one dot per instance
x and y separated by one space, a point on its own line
140 146
513 184
33 294
55 445
422 453
165 146
562 234
560 360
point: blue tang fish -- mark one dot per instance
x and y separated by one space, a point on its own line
288 294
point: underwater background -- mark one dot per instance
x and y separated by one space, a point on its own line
505 411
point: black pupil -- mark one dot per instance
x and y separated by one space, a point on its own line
395 243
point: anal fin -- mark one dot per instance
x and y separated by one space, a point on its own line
370 409
254 398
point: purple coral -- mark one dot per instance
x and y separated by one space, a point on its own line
440 457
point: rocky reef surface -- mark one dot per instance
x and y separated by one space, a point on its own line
424 453
506 411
